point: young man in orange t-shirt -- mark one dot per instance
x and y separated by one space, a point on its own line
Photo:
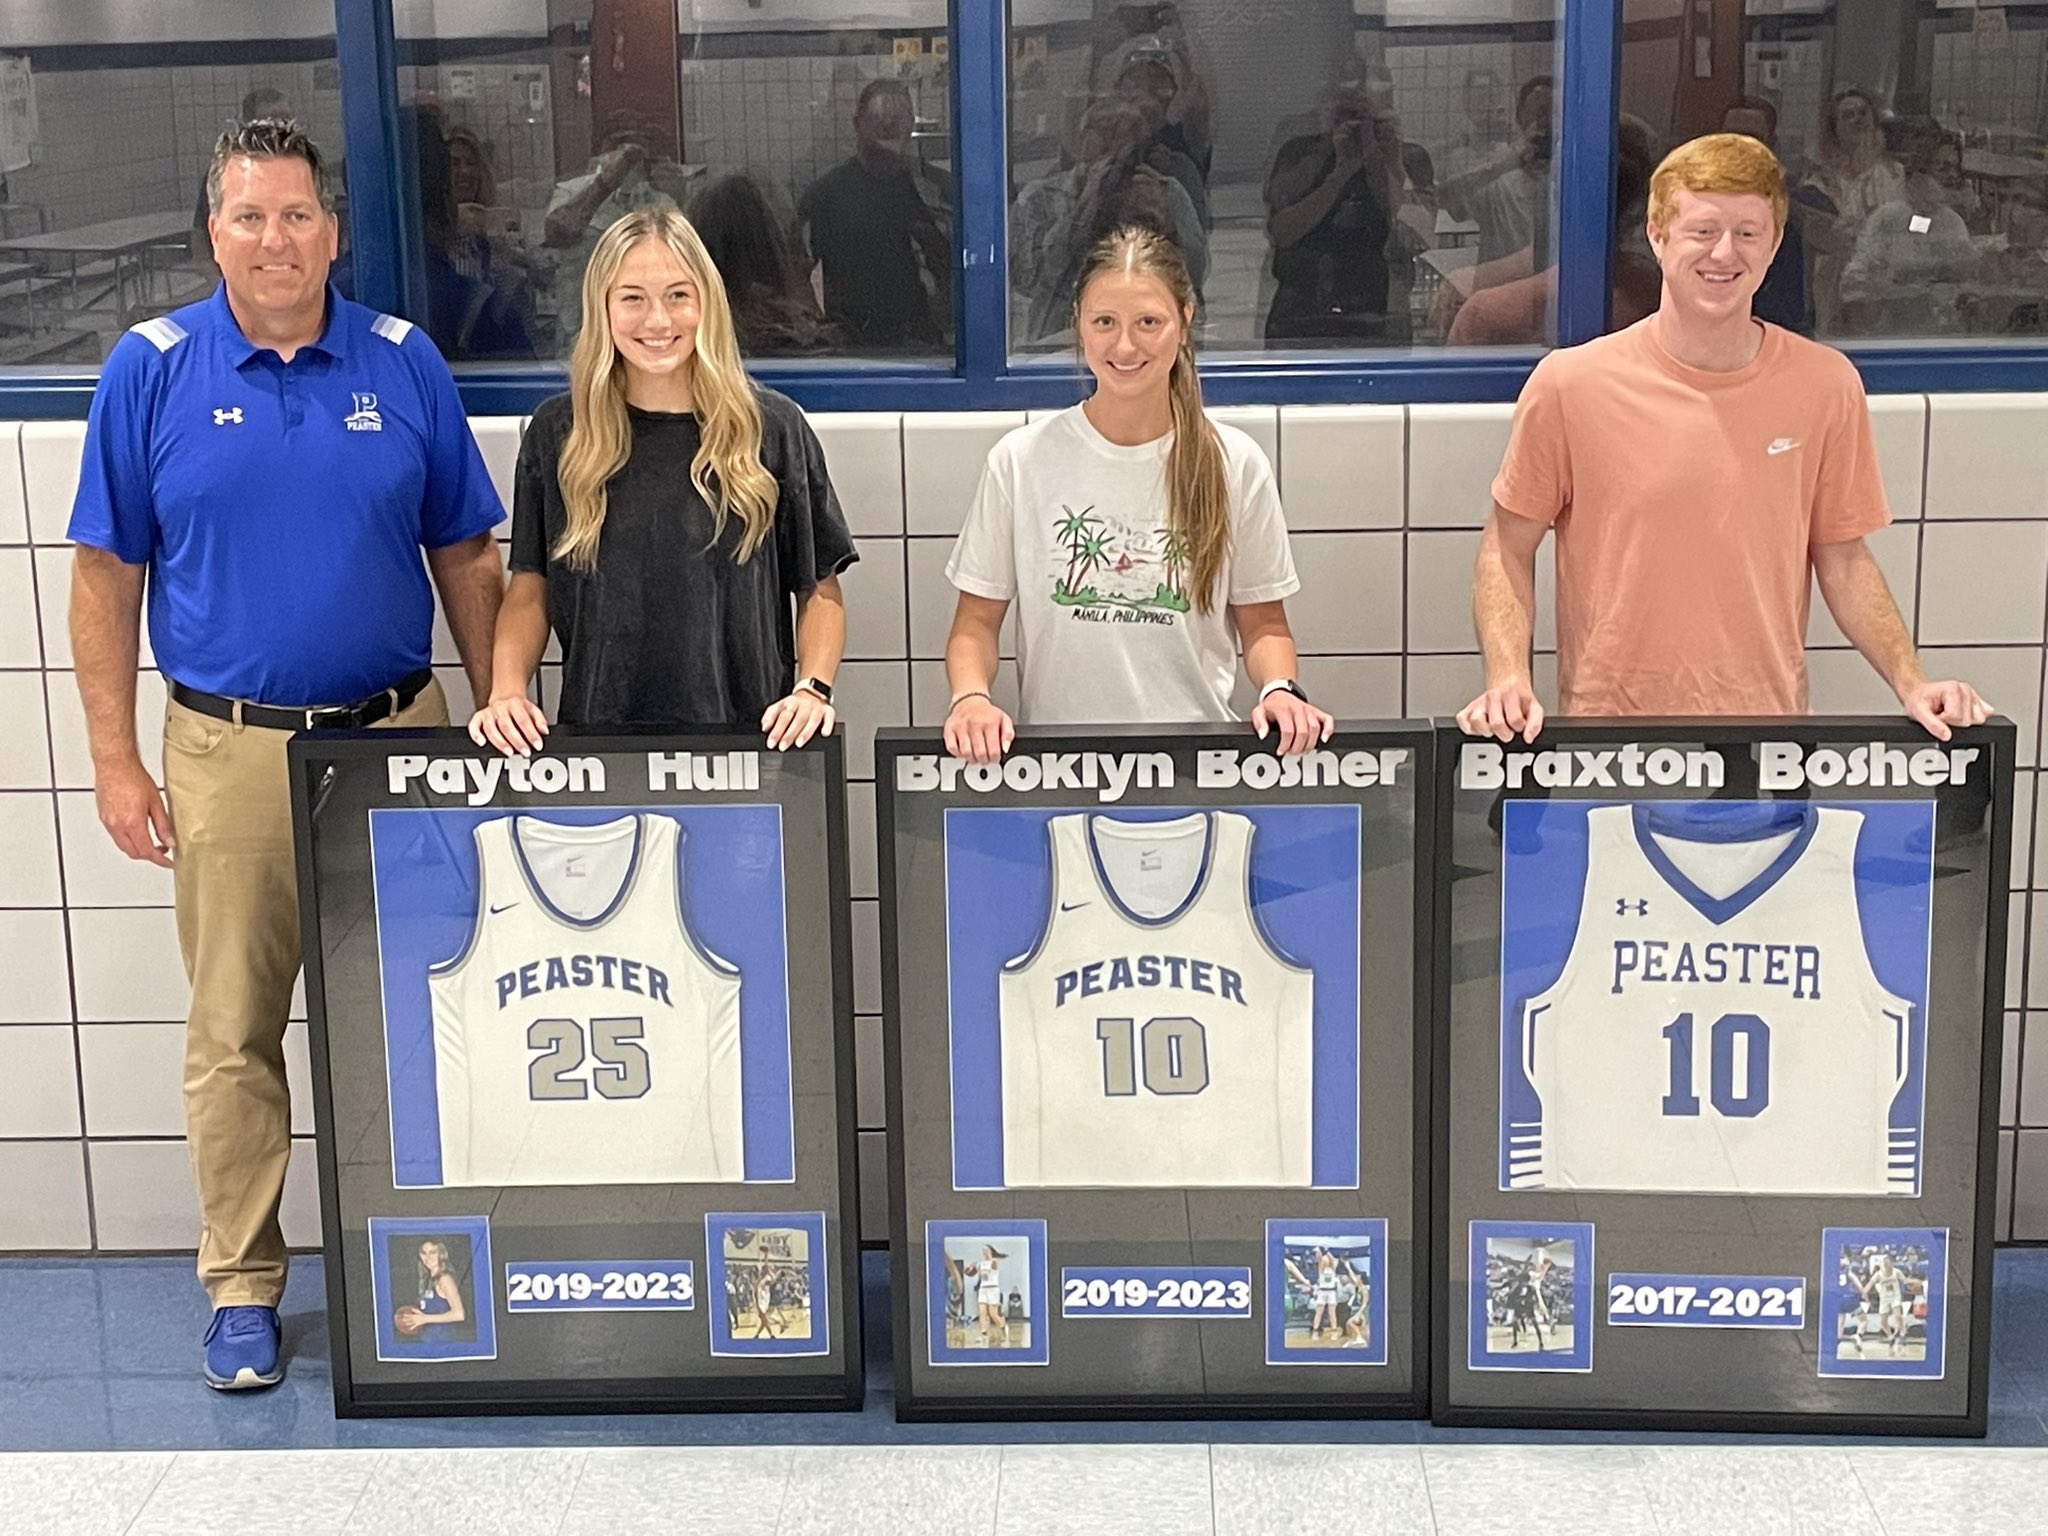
1696 466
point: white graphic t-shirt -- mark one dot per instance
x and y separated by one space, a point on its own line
1072 528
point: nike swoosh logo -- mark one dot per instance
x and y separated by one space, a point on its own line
1069 906
505 908
1782 445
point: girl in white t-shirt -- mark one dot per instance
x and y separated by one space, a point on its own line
1142 543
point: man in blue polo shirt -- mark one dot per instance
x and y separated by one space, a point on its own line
270 463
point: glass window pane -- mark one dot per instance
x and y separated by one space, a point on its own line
108 116
811 144
1914 135
1339 174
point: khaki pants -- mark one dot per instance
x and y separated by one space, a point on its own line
237 889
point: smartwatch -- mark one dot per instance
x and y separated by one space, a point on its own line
1284 685
812 685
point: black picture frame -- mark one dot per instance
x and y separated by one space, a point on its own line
1975 941
1293 1390
819 968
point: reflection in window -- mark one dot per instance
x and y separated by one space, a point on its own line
813 153
1915 143
106 131
1338 175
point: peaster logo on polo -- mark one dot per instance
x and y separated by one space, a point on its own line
364 417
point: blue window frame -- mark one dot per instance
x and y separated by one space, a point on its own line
984 377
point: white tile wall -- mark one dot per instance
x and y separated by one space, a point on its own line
1383 501
38 986
25 743
28 851
1453 451
42 1197
39 1089
1987 456
20 638
1343 466
864 453
942 457
13 504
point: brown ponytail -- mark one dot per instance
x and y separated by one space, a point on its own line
1197 489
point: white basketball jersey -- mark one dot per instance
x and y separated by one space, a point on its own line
584 1037
1717 1026
989 1287
1153 1038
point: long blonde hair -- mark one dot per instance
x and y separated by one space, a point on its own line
1197 489
726 469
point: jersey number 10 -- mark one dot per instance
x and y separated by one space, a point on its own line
1172 1053
1755 1096
619 1069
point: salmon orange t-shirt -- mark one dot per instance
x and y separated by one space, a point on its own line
1685 505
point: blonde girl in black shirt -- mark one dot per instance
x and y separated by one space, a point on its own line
668 515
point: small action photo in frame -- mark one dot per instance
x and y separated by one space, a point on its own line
1531 1296
1325 1304
1883 1301
430 1282
985 1292
767 1292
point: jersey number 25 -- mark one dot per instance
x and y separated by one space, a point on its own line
618 1068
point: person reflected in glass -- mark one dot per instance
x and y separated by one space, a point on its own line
1782 300
1476 155
667 513
1914 261
880 230
1062 216
1330 202
1142 543
1147 48
1523 311
1149 81
774 311
1958 191
481 246
1852 177
1504 194
440 1296
467 316
627 173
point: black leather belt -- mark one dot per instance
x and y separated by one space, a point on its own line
338 717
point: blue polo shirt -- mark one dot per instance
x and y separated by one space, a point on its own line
281 507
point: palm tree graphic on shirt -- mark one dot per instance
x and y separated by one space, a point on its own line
1111 565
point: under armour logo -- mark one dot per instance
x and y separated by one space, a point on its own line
1622 905
231 417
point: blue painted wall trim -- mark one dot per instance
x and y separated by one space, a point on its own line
1589 73
981 85
383 221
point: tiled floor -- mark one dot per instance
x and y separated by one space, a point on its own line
99 1390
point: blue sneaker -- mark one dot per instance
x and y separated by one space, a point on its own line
241 1348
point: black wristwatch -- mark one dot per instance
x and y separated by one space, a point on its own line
813 685
1284 685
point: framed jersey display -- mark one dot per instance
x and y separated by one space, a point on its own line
581 1031
1153 1006
1717 1007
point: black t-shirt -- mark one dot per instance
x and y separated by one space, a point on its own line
667 629
1337 272
875 235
